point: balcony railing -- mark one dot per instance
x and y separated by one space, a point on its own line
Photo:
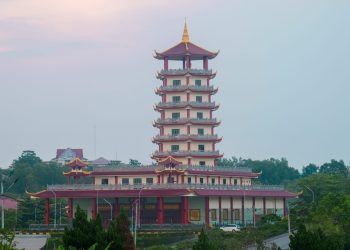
185 120
184 104
185 87
187 153
185 71
205 168
82 187
186 137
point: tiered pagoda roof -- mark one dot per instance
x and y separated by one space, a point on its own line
186 48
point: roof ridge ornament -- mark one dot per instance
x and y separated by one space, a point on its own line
185 35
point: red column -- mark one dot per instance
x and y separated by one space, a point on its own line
243 221
284 207
231 208
166 63
158 181
160 210
254 210
188 146
188 127
116 180
212 130
70 210
47 211
211 114
188 97
189 161
205 63
165 82
187 80
264 205
93 208
183 177
207 211
195 180
185 210
219 210
209 98
116 207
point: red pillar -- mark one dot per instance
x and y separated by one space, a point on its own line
160 210
116 207
207 211
47 211
284 207
205 63
254 210
220 210
231 208
70 210
264 205
185 210
166 63
93 208
243 220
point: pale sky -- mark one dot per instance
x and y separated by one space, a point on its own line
67 66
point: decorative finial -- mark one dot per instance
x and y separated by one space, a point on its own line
185 35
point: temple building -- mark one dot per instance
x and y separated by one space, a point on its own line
186 186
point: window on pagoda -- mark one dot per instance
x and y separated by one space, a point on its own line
104 181
175 115
200 147
137 181
202 163
176 99
200 131
176 83
199 99
175 131
175 148
224 181
235 181
189 180
199 115
201 180
149 180
212 180
237 214
125 181
198 83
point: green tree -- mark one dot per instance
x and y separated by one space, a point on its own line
304 239
135 163
7 240
30 211
31 174
309 170
123 230
203 242
273 171
335 167
84 233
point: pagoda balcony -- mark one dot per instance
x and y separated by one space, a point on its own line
175 72
167 186
174 105
182 121
186 153
196 137
182 88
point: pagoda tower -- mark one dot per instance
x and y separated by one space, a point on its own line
186 124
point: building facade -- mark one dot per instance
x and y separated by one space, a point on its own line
186 186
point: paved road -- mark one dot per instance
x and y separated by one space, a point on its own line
30 242
281 240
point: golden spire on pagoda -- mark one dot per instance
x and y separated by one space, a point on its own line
185 35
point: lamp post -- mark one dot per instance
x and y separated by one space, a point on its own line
313 194
139 208
111 208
